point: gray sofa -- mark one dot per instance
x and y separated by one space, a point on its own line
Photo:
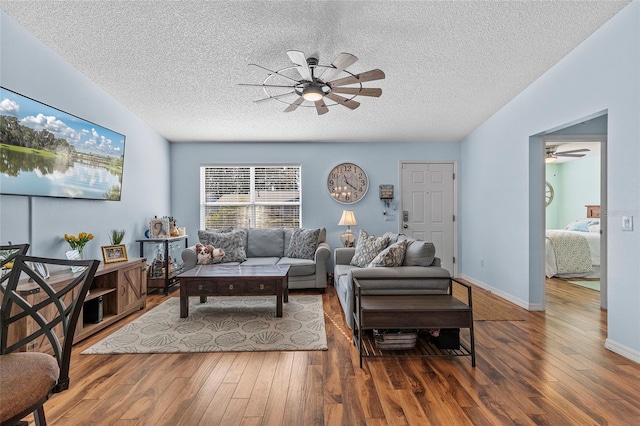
420 273
267 246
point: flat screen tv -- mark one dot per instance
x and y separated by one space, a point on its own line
50 153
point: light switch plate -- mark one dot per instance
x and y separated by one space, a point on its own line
627 223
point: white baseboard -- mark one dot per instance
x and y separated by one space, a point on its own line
623 350
503 295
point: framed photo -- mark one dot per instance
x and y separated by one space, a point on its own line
112 254
159 228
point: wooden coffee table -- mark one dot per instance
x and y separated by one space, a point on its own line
234 280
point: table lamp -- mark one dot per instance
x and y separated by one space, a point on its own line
348 219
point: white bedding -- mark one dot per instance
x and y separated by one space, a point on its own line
593 240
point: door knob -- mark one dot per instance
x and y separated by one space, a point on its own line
405 226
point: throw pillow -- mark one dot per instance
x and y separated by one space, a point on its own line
367 248
582 226
231 242
303 244
419 253
391 256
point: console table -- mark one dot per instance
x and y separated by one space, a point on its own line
120 286
411 311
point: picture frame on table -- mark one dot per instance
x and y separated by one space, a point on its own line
159 228
117 253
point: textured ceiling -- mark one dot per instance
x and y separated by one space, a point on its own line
449 65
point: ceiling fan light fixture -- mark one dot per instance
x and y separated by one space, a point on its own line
316 90
312 94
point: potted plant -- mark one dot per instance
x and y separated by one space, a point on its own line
116 236
78 243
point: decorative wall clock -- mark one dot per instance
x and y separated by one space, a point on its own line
548 193
347 183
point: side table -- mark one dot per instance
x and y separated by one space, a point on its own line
411 311
168 280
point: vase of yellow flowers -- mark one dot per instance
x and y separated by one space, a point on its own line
78 243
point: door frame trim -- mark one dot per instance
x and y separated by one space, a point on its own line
401 163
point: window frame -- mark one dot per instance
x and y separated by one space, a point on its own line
252 204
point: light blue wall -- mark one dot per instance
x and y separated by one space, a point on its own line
30 68
576 184
503 175
379 160
552 211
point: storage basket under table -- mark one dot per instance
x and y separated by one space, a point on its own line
395 339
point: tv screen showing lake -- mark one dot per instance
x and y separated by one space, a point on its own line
50 153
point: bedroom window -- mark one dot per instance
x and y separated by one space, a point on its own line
250 196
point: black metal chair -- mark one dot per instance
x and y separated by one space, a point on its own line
28 379
9 253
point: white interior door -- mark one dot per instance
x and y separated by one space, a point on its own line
428 207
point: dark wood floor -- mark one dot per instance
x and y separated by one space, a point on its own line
549 369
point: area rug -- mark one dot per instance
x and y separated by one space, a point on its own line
222 324
593 285
488 307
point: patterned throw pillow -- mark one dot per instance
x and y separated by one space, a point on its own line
303 244
391 256
367 248
231 242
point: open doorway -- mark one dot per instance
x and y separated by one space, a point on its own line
572 214
578 194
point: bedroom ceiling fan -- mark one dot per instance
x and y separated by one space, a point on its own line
308 83
552 153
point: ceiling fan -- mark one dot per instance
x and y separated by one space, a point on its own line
316 85
552 153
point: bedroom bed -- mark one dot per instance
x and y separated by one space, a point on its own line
575 250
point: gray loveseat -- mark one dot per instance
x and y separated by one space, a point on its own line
270 246
419 271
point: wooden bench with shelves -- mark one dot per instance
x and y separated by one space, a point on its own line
417 312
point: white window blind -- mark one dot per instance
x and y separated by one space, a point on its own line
250 197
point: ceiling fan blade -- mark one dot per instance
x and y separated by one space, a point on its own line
360 91
573 151
321 107
275 72
561 154
294 105
341 62
351 104
300 60
360 78
265 85
282 95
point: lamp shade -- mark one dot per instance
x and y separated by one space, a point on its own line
348 218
